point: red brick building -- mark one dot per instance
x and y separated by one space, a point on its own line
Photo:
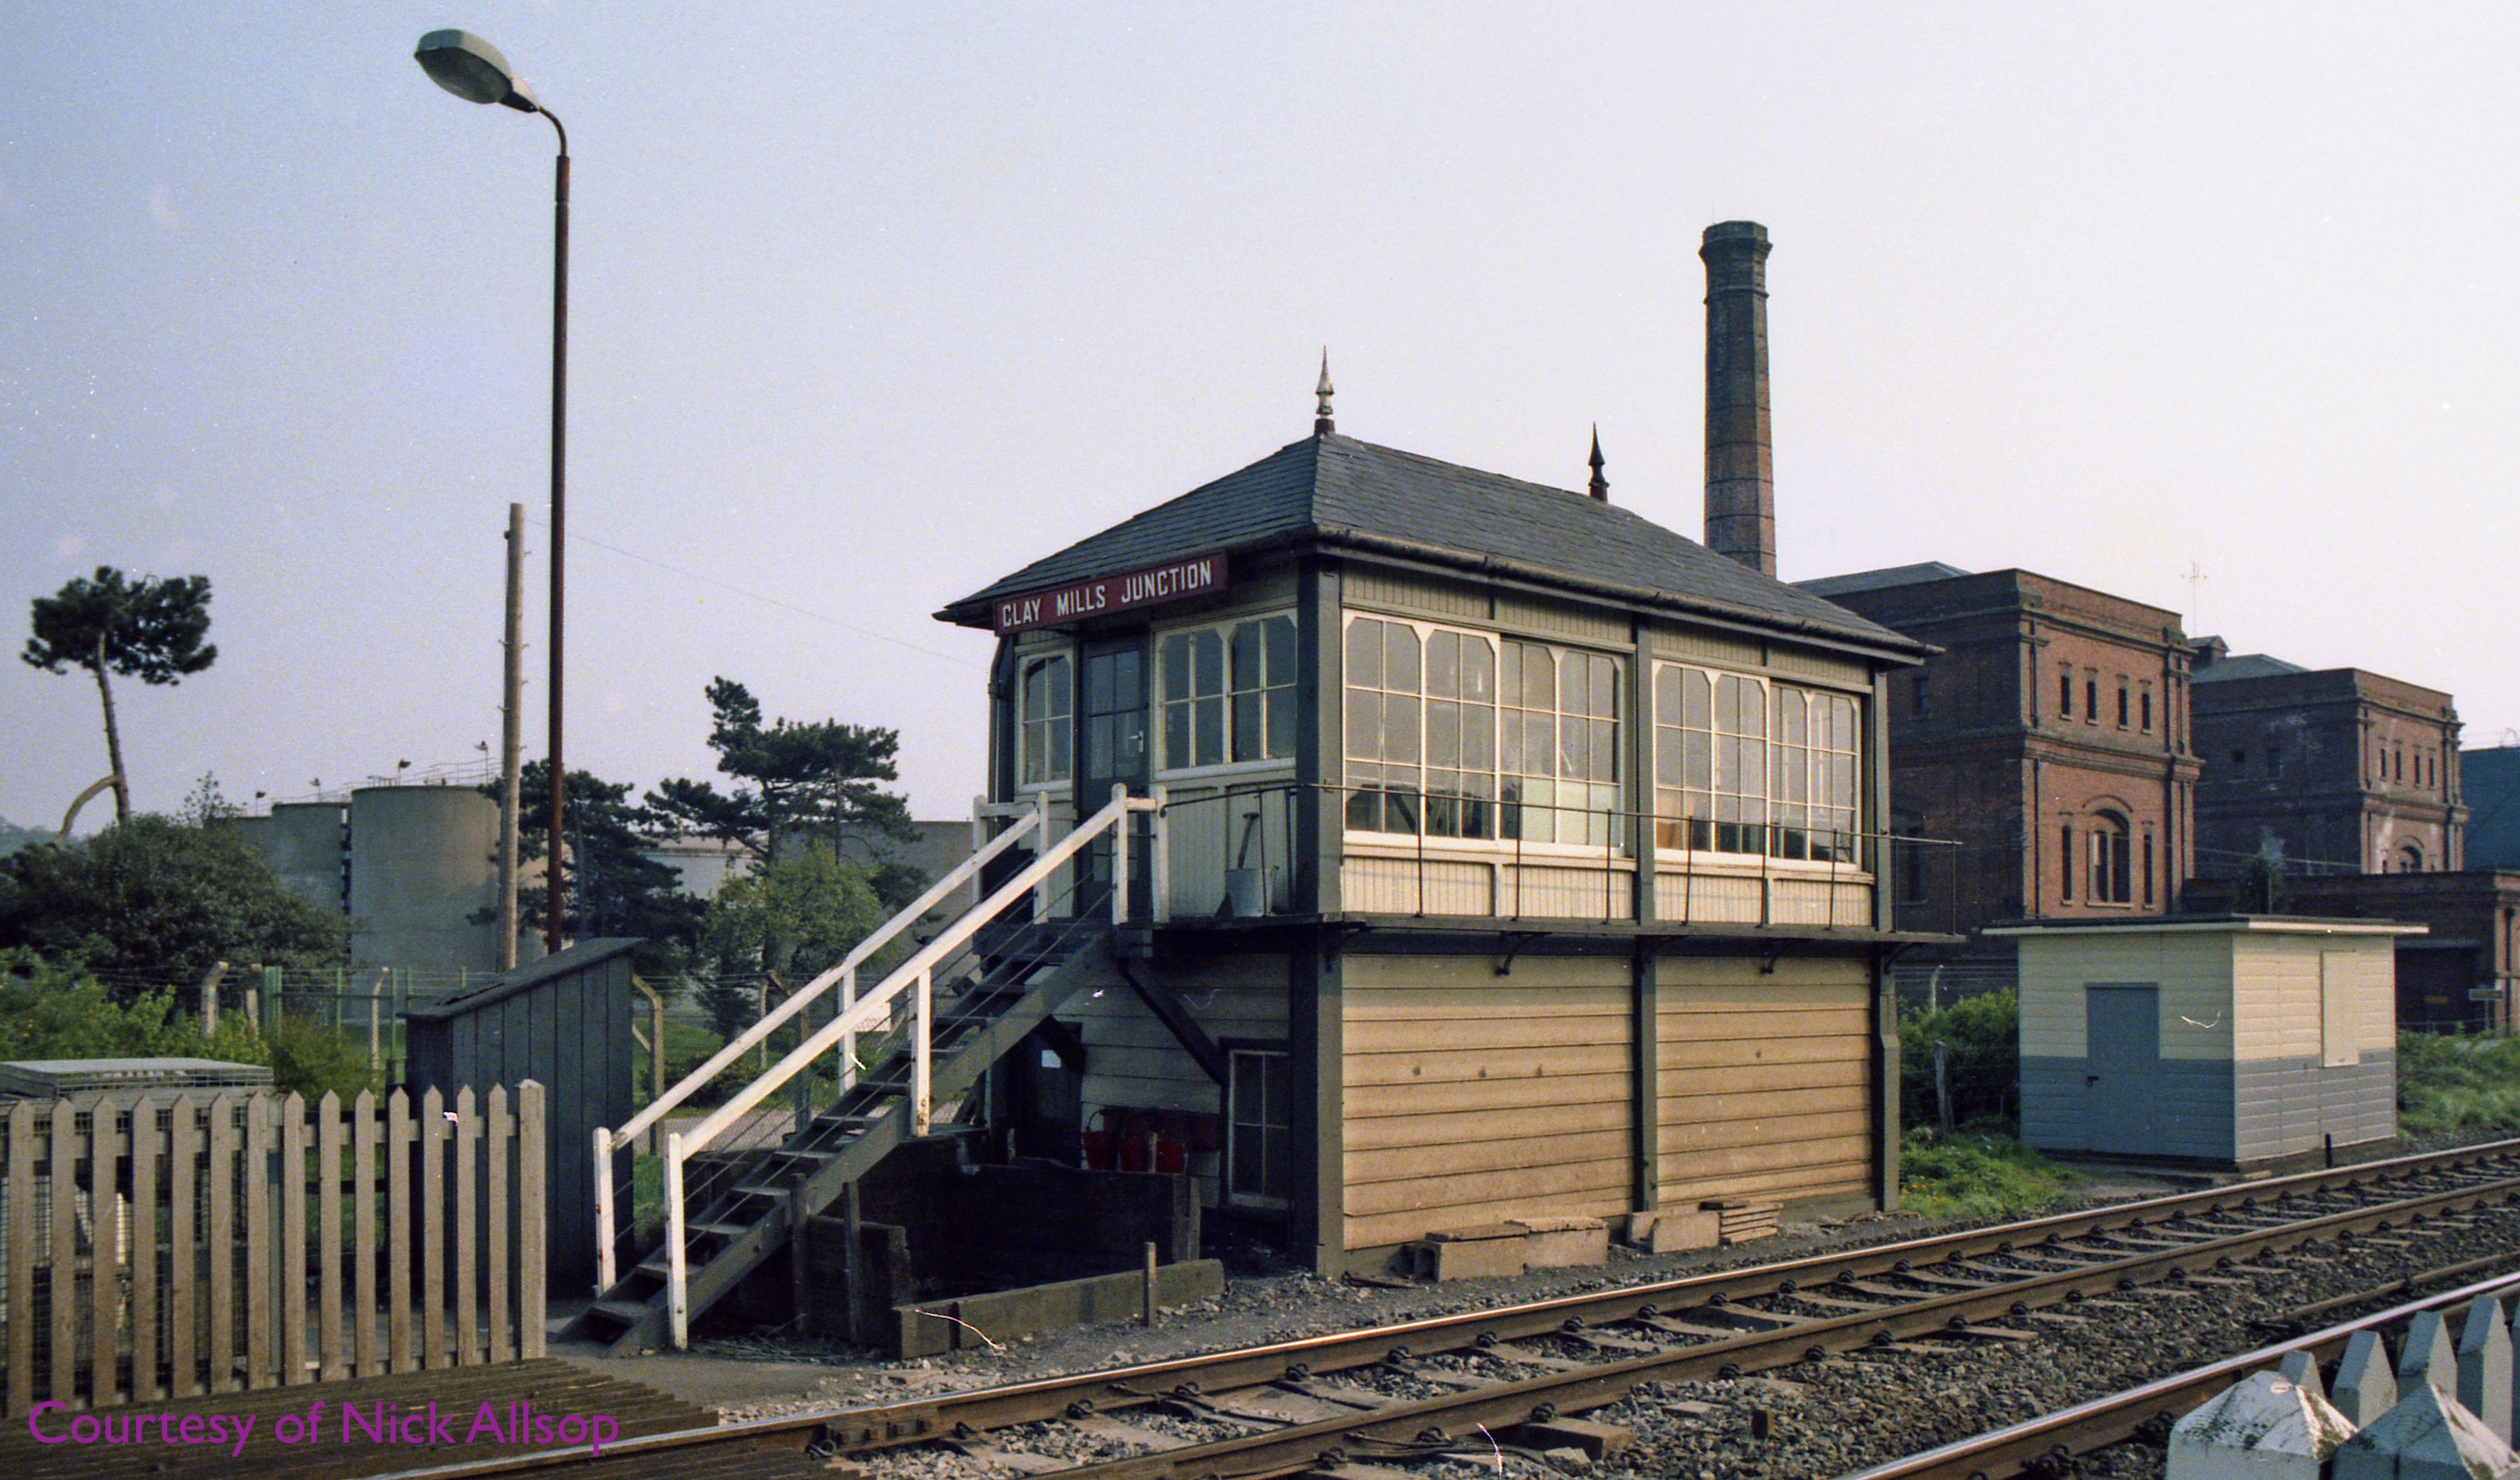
2048 740
2336 770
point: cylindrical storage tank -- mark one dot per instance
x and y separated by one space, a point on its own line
305 846
424 861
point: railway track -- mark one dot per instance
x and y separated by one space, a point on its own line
1514 1378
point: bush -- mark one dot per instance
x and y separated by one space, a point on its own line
47 1012
2452 1082
1983 1035
155 896
1978 1171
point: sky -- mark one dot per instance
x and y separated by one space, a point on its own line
2210 307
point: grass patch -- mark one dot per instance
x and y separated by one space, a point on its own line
2455 1082
1979 1171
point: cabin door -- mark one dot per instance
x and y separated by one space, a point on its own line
1111 750
2123 1074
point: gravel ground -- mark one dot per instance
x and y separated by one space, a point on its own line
1828 1418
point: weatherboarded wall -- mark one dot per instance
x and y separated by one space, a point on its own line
1474 1098
1132 1059
1764 1080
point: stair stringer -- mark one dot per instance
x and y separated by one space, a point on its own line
743 1254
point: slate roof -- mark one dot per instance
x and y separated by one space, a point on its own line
1339 492
1882 579
2244 665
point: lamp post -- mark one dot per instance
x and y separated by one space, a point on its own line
473 69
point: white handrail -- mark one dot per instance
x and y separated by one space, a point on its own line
918 972
883 936
607 1142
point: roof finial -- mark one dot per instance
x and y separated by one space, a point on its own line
1323 425
1599 486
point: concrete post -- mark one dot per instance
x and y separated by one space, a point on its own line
2300 1369
2429 1357
2365 1388
2484 1365
2427 1436
2263 1427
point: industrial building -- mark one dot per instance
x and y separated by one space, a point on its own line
2048 737
2337 771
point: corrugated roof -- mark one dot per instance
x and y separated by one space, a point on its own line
1338 490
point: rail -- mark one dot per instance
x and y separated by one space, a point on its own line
913 982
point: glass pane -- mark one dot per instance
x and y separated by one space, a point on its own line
1842 723
1365 653
1574 748
1177 735
1207 663
1280 639
1399 728
1754 766
1572 697
1538 745
1036 760
1667 755
1062 686
1478 737
1097 742
1246 726
1399 657
1727 706
1174 665
1399 800
1666 696
1246 655
1789 716
1538 677
1841 781
1036 690
1249 1159
1207 727
1062 735
1443 665
1364 725
1606 687
1754 707
1443 733
1478 806
1509 687
1282 722
1443 805
1695 707
1098 688
1697 760
1364 804
1478 670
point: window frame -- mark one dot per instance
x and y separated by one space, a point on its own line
1676 832
1230 1102
1162 702
1497 811
2109 859
1050 724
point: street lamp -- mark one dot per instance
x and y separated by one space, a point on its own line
473 69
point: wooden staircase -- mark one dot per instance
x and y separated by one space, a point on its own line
1017 980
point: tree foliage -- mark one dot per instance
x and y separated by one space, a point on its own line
615 886
2262 888
150 629
1982 1046
797 917
790 778
155 897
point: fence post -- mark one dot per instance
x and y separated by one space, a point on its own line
502 1130
530 1161
1943 1084
603 1272
657 1085
677 1287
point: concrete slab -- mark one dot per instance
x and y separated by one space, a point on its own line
2263 1427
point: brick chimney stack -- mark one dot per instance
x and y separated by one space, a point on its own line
1741 476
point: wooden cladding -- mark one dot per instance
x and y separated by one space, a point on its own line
157 1249
1764 1081
1474 1096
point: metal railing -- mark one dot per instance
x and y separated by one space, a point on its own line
910 984
1779 852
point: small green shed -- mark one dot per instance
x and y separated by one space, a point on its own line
2225 1041
564 1020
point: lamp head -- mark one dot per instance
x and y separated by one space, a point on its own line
473 69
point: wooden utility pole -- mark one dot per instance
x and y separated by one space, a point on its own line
508 736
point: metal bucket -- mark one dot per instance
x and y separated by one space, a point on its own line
1246 893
